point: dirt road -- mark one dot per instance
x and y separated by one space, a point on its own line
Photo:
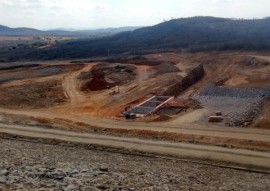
189 129
70 85
238 156
266 58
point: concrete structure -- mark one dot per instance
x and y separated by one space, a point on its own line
148 107
215 119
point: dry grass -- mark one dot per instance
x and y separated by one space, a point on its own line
32 95
15 38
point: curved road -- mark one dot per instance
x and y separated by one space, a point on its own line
70 85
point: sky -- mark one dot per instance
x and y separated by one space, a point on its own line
93 14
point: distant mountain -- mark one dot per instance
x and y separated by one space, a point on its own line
189 34
112 30
7 31
186 34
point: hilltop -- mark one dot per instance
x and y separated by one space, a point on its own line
185 34
24 31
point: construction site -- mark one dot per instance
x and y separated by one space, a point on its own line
213 99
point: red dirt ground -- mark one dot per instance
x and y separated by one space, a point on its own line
98 83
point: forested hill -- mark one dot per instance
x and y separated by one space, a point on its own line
189 34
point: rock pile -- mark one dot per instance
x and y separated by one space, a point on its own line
222 91
240 105
35 166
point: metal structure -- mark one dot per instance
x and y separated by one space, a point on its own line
148 107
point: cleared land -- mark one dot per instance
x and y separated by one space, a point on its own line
33 95
100 110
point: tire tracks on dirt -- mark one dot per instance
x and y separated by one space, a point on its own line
182 150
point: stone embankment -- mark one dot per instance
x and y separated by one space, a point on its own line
240 105
35 166
192 77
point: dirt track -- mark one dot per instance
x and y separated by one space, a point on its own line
237 133
70 85
238 156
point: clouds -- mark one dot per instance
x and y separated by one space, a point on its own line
114 13
51 13
19 3
28 4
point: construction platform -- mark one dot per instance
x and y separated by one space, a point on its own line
148 107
